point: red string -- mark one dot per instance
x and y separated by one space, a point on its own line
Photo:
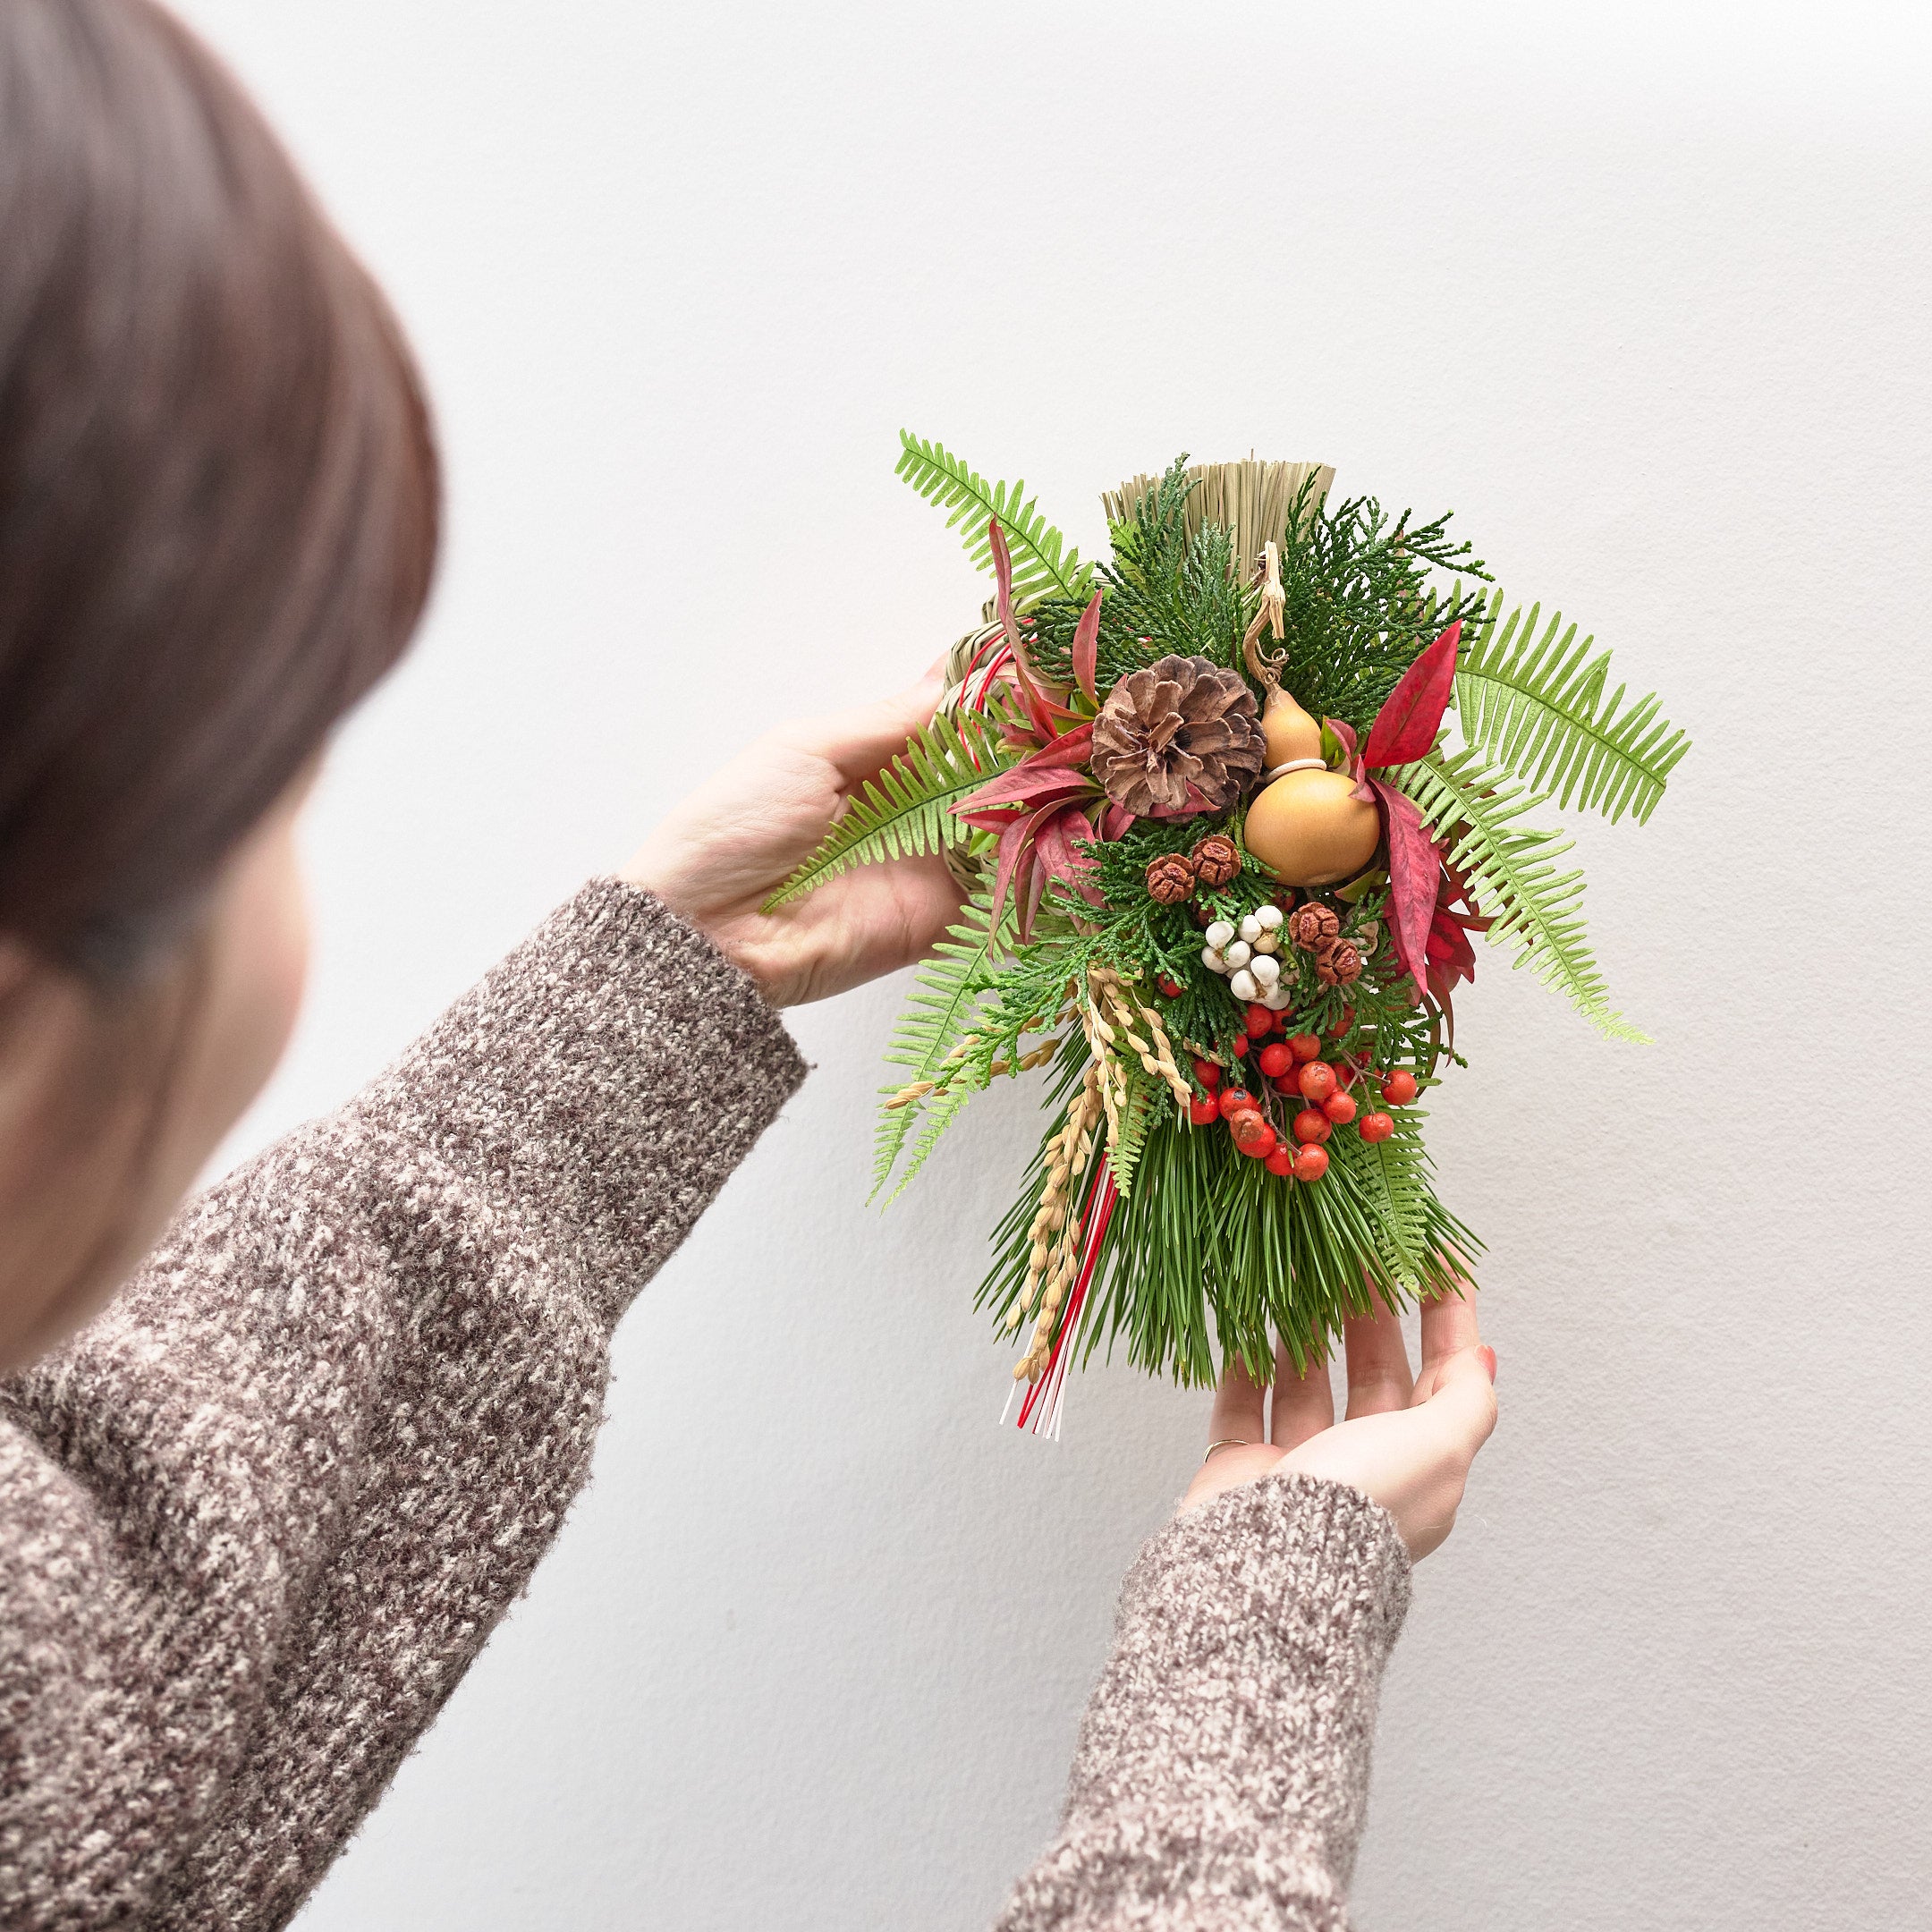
1099 1212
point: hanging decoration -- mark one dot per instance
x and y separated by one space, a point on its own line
1221 855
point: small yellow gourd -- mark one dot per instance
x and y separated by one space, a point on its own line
1307 827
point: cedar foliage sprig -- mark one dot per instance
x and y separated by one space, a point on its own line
1167 590
1362 599
1361 604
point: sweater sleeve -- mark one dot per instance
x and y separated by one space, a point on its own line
1221 1773
260 1517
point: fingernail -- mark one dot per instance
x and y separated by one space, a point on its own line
1488 1359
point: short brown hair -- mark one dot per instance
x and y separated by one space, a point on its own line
219 487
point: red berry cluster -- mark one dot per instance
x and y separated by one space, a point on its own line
1294 1067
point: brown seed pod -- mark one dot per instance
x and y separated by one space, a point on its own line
1312 927
1217 859
1338 964
1170 879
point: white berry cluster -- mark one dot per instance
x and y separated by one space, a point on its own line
1247 955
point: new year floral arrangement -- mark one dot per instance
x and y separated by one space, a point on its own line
1221 865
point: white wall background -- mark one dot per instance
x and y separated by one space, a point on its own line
1642 292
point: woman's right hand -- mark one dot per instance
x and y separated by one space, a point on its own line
718 857
1405 1442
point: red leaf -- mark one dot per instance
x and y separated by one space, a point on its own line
1040 709
1087 648
1196 802
1405 727
1449 954
1014 851
1115 819
1048 776
1415 866
1019 787
1054 840
1345 732
1069 747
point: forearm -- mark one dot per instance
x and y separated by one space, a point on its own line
1223 1768
314 1452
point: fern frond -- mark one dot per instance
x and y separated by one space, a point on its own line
947 990
1512 869
1142 1108
1535 703
908 808
1391 1178
1041 564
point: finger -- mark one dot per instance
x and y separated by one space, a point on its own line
860 741
1448 1327
1378 1377
1304 1400
1464 1407
1239 1407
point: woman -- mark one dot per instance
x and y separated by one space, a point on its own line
264 1494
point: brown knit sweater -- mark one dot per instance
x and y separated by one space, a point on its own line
256 1521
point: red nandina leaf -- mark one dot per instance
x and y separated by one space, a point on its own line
1196 802
1405 727
1024 784
1002 585
1450 952
1415 866
1015 861
1345 736
1041 709
1073 746
1055 840
1030 894
1114 820
1087 648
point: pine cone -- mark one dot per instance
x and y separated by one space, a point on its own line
1312 927
1170 880
1180 730
1217 859
1338 964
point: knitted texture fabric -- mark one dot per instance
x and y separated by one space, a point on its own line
257 1520
1223 1769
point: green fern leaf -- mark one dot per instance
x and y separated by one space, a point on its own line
1511 869
1040 561
1142 1108
908 808
947 990
1391 1178
1535 703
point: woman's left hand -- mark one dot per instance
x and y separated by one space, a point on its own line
721 854
1407 1441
